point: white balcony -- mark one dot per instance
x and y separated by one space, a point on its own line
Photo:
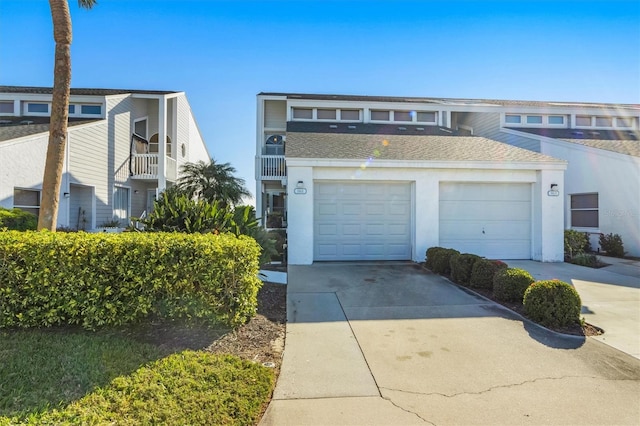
145 167
272 167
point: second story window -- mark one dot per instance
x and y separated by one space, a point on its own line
91 109
274 145
6 107
37 108
302 113
379 115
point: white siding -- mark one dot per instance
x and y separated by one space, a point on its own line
80 207
275 114
487 124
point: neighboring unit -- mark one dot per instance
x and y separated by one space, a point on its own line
384 178
115 164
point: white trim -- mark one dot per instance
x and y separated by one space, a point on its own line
418 164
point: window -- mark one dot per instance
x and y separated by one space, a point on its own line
380 115
620 122
512 119
38 108
91 109
326 114
140 127
584 210
274 145
403 116
121 205
27 200
72 109
583 120
556 119
426 117
604 121
534 119
6 107
350 114
303 113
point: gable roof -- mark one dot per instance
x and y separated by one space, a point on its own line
18 127
625 142
449 101
407 148
80 91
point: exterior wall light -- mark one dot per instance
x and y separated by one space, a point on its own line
553 191
300 189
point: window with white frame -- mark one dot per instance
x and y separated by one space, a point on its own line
534 119
584 210
121 205
604 121
6 107
303 113
90 109
72 109
555 119
140 127
326 114
27 200
350 114
624 121
380 115
512 119
403 116
426 116
37 108
583 120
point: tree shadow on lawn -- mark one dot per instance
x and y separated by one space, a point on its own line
41 369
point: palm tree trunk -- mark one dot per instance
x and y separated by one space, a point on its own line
54 164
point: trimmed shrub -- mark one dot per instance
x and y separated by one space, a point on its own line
483 272
552 303
442 261
430 256
586 259
510 284
17 220
461 266
612 245
113 279
575 243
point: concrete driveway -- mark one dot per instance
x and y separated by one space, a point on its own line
391 344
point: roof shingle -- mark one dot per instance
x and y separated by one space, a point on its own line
406 148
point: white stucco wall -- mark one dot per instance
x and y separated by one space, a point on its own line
616 179
547 214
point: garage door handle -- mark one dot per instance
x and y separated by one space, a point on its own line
483 230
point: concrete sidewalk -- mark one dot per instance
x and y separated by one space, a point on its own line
610 296
391 344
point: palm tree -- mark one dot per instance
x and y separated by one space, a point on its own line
212 182
59 112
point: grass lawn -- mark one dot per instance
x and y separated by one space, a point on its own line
73 376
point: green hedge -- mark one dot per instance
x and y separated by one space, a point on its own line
438 259
552 303
461 266
510 284
483 272
18 220
113 279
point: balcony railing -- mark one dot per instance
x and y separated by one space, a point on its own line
272 167
145 166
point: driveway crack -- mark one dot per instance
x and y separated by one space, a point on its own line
407 411
511 385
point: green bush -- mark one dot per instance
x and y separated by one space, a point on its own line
586 259
552 303
612 245
575 243
461 266
17 220
483 272
439 259
510 284
112 279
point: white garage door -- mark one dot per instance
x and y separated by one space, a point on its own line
362 221
487 219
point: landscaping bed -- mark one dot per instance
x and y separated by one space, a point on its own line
167 372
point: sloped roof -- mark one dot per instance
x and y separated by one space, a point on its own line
620 141
448 101
80 91
18 127
406 148
368 128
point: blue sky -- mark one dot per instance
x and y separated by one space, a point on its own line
222 53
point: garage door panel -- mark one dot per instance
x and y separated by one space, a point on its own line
365 221
491 220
